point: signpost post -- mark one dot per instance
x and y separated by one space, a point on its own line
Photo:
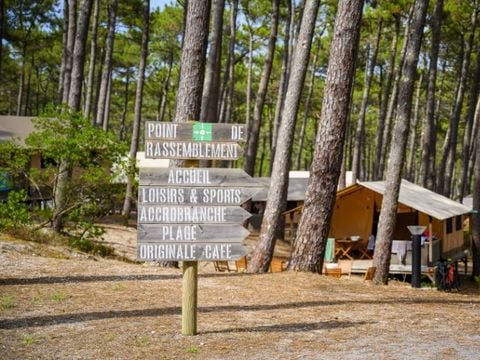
192 214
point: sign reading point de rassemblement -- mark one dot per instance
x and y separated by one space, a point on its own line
166 140
187 214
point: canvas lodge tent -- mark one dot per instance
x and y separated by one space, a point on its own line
356 213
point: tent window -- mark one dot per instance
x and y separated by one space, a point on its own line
458 223
449 226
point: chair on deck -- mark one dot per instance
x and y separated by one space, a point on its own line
277 265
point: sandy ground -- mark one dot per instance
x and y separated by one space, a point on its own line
58 304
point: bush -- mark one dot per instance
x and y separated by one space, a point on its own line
14 212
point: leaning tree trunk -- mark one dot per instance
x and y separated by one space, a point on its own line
252 145
107 66
429 138
309 246
360 133
388 213
227 116
277 194
132 155
211 84
93 57
282 86
74 98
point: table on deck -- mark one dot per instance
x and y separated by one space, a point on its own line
344 248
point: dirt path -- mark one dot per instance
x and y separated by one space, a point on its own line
83 308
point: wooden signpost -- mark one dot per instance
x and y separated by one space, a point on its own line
192 214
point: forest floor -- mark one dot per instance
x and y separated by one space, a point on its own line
56 303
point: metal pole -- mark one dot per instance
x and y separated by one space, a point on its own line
416 261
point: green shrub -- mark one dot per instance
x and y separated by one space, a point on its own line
14 212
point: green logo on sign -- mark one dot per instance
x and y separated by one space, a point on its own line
202 132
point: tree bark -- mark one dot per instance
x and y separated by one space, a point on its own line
107 66
211 85
93 58
277 194
388 213
226 118
252 145
309 246
282 86
360 133
249 76
429 138
121 136
132 155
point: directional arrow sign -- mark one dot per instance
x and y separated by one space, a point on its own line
190 251
195 131
158 233
162 149
197 177
165 214
168 195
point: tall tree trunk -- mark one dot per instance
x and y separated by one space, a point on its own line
468 134
78 63
74 97
277 194
249 77
125 107
388 213
447 164
392 104
166 84
132 155
71 34
427 167
413 134
211 84
307 109
108 99
189 94
282 86
21 87
309 246
226 118
384 103
252 145
93 58
476 214
64 50
360 133
107 66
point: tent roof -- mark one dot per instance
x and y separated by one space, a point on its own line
468 201
12 127
421 199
